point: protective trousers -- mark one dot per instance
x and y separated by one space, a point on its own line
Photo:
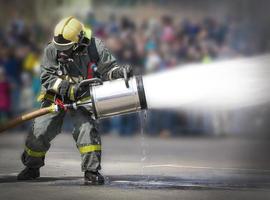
45 128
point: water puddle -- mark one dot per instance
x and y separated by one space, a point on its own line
151 183
163 182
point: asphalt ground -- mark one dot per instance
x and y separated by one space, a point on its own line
144 168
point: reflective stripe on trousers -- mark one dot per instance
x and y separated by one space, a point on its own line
37 154
89 148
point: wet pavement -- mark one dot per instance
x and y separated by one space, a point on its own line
144 168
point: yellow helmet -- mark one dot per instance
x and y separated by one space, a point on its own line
68 32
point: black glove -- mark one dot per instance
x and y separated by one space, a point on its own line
122 72
64 88
81 91
75 92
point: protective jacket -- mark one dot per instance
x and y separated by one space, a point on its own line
93 61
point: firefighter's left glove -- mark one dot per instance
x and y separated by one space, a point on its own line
76 92
64 88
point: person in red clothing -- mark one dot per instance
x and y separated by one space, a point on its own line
5 101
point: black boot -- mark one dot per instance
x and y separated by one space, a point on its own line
93 178
28 174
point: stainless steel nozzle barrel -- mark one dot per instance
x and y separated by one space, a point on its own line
115 98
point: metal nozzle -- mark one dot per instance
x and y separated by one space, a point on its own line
114 98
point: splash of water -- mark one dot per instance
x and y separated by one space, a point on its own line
143 118
221 85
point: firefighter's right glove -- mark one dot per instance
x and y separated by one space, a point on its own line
122 72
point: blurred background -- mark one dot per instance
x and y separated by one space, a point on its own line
162 149
150 35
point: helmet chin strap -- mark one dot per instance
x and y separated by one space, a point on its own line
81 42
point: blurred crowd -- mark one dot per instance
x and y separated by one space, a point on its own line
19 67
149 46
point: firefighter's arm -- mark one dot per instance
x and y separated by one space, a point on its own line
107 65
49 78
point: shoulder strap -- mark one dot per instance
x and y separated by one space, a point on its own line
92 51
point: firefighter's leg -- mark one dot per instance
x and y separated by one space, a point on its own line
87 139
45 128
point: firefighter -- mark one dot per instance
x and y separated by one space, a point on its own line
73 55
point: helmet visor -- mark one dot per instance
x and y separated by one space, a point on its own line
63 47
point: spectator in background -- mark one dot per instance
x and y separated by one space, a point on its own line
26 97
26 101
112 26
168 31
13 69
32 71
5 101
12 66
153 61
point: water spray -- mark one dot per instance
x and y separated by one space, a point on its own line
221 85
